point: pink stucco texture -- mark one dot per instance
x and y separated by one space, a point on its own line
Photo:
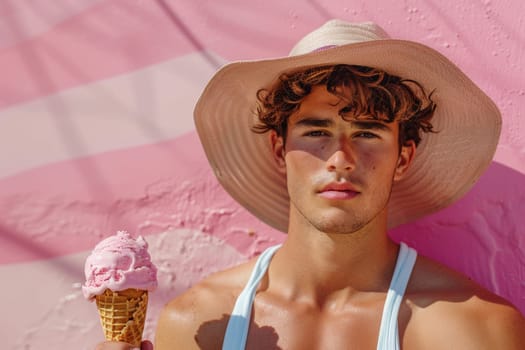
86 149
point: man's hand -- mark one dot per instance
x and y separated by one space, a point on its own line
117 345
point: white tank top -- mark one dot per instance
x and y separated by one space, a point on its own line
237 330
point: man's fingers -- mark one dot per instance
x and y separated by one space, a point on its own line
146 345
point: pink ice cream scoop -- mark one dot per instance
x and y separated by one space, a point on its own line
117 263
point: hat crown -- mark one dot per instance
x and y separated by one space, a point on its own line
336 33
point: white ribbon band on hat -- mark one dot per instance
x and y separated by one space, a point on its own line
336 33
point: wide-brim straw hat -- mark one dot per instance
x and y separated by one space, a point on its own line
446 165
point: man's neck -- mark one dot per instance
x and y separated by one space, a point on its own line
333 267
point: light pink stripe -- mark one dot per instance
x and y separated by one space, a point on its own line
68 207
141 107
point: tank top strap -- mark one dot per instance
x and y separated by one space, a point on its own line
237 330
388 331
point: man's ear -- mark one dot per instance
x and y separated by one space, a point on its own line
277 144
406 156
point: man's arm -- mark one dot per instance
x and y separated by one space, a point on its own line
198 318
506 329
178 322
467 324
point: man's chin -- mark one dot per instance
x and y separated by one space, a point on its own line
340 227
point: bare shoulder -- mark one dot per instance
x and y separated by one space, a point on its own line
197 319
450 311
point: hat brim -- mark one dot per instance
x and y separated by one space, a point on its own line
447 163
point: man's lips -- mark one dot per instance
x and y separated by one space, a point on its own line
338 191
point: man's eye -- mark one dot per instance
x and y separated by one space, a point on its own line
316 133
367 135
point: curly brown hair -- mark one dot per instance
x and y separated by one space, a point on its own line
370 92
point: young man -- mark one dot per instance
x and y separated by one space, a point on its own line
330 158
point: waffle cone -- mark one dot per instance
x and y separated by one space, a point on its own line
122 314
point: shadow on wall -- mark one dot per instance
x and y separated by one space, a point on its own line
482 235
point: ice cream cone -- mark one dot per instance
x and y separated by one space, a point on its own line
119 275
122 314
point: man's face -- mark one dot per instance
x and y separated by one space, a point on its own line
339 173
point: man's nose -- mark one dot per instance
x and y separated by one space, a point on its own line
341 158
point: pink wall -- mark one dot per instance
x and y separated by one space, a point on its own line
97 135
